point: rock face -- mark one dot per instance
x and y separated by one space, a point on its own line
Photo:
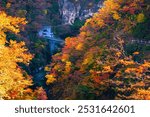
70 10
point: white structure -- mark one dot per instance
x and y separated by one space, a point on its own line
46 31
54 42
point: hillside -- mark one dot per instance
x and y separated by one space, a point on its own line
102 62
75 49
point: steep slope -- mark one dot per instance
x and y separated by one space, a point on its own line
70 10
96 65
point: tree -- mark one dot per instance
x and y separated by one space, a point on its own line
13 79
94 65
37 16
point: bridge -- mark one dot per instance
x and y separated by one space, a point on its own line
46 32
140 41
53 43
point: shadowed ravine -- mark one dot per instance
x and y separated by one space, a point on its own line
55 44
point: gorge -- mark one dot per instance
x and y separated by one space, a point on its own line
74 49
69 11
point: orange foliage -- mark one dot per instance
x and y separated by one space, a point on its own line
96 61
13 79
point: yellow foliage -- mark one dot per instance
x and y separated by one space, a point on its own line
102 60
47 68
116 16
111 5
57 67
12 78
8 5
118 74
142 94
65 57
11 23
140 18
130 70
50 78
118 54
107 69
146 64
136 53
88 59
126 62
79 46
68 67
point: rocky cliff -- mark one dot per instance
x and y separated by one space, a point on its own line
70 10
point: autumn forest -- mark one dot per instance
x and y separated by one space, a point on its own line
105 56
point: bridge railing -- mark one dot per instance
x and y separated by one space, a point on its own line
52 38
